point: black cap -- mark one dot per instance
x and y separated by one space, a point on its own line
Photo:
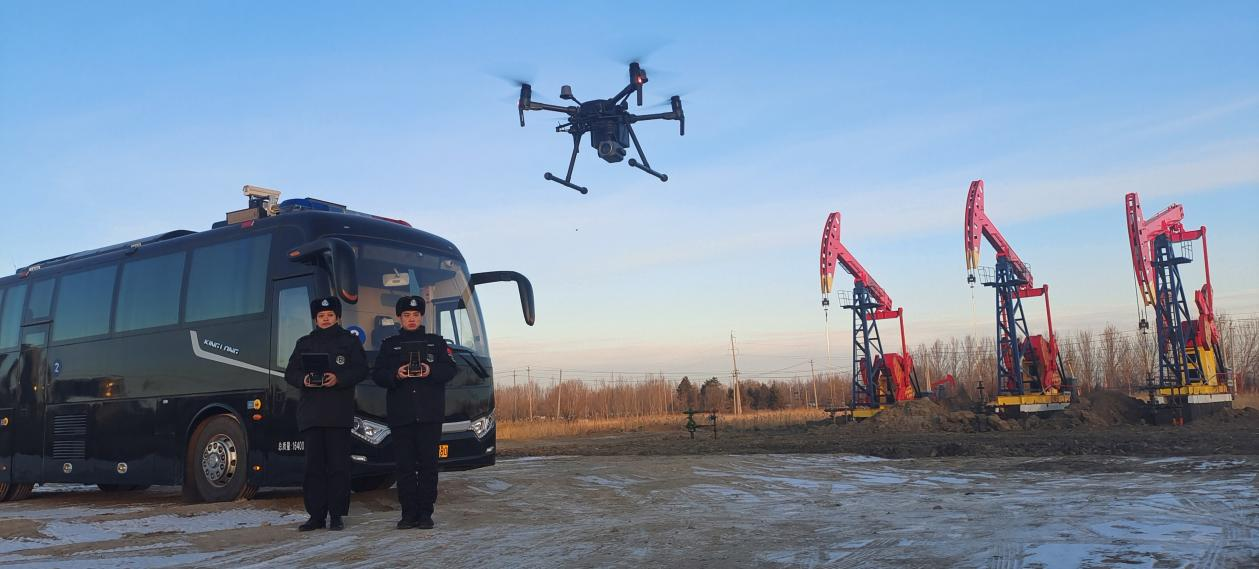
327 303
409 303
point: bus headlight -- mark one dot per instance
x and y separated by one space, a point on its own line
482 426
370 431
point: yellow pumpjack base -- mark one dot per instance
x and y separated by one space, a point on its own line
1194 394
1032 403
866 412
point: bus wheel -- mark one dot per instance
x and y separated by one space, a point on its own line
371 483
10 492
216 465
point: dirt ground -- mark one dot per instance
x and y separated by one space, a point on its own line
919 487
1102 424
768 510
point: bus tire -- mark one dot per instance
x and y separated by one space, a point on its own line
373 483
217 465
16 492
11 492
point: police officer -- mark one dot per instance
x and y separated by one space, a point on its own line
325 412
417 406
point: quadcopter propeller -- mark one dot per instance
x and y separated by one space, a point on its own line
675 106
526 97
675 102
638 78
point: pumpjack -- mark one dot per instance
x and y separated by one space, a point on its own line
879 378
1031 377
1193 379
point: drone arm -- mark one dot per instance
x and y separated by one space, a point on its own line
655 116
623 95
546 107
671 115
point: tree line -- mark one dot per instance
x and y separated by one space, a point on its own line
1109 359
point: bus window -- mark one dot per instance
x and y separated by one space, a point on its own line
11 316
228 279
387 272
446 326
40 302
84 303
467 331
456 325
149 293
293 322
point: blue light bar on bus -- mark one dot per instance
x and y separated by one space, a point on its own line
312 204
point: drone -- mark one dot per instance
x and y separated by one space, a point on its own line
609 122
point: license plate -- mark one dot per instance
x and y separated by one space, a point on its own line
443 451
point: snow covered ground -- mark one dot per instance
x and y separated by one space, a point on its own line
696 511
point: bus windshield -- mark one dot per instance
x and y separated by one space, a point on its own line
389 271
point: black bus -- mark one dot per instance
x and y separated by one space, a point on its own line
161 361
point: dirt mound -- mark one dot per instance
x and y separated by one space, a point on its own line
926 416
1099 409
1102 408
1245 417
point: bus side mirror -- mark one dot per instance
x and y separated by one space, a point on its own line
522 285
335 256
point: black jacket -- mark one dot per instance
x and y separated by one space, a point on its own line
414 400
328 406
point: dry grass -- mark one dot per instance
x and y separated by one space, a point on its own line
1243 400
548 428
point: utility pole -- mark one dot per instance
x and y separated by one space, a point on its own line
529 374
738 404
829 368
515 396
813 374
559 395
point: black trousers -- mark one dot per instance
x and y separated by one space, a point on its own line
415 452
326 489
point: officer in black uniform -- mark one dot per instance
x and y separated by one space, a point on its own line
325 412
417 407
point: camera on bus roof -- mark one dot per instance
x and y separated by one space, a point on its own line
262 203
261 193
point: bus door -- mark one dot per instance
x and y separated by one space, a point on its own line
27 427
292 298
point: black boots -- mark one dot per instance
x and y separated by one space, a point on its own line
311 524
336 524
426 522
407 523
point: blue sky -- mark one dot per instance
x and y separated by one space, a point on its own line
129 119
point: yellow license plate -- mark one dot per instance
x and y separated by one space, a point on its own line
443 451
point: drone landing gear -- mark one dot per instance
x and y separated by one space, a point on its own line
572 160
644 166
565 183
647 169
